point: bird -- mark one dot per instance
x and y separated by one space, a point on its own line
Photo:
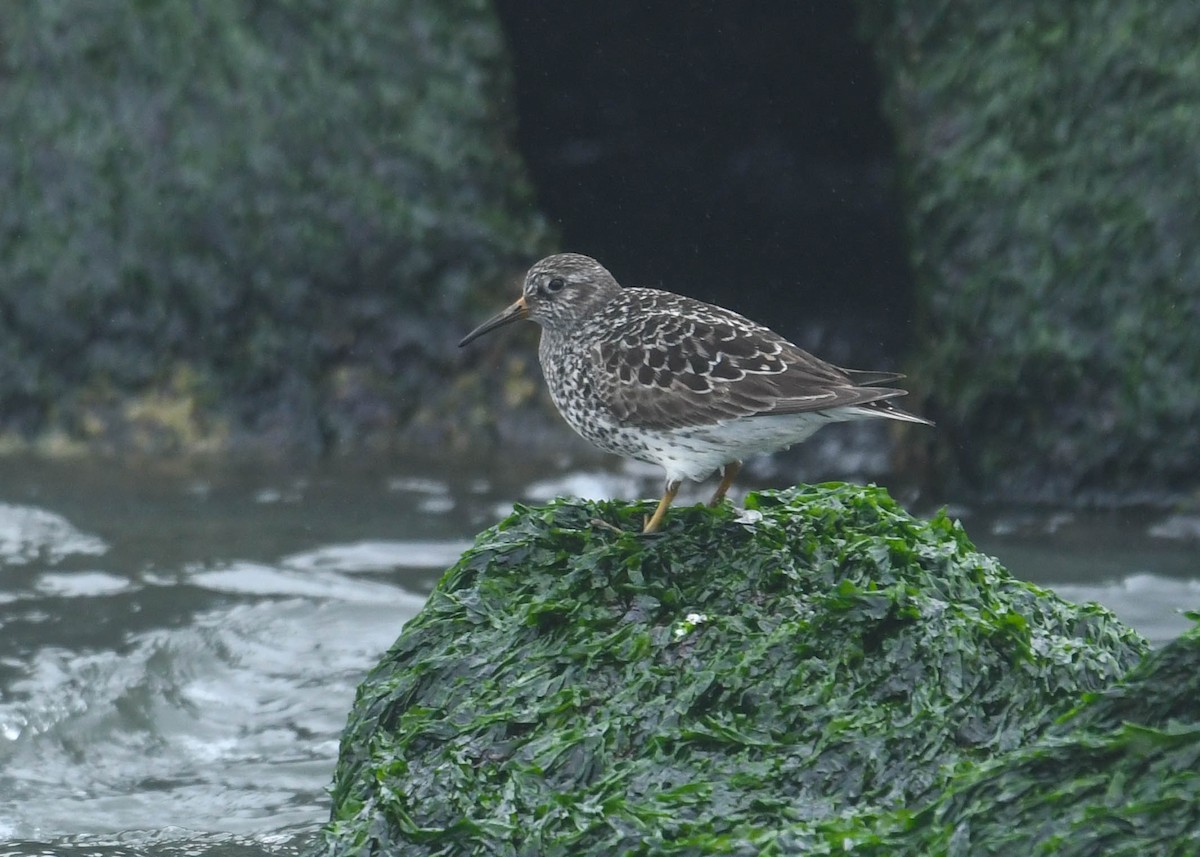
670 380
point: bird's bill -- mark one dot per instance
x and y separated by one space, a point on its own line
517 311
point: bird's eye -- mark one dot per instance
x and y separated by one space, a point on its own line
555 285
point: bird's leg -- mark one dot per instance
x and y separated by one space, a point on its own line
668 497
728 473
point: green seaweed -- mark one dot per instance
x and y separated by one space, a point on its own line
1119 776
809 671
291 204
1046 158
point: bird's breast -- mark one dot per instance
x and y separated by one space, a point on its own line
578 392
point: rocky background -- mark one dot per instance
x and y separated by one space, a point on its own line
247 227
1050 175
262 229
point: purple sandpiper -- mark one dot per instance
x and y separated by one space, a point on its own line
677 382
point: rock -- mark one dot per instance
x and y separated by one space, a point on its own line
740 680
1118 777
1047 159
249 227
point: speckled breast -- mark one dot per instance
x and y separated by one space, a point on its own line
577 393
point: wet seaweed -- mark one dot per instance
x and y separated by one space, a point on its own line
1119 776
812 670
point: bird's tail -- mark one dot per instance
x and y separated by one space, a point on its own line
885 408
862 378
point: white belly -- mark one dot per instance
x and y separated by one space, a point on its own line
696 453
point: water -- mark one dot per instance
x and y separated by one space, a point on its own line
179 645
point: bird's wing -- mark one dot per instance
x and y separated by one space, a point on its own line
871 379
676 362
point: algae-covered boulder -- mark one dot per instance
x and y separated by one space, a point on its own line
1118 777
574 689
247 224
1047 156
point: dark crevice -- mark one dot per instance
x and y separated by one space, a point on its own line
737 154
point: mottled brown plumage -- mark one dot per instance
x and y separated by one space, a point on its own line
667 379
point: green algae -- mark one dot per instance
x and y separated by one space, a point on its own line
1119 776
1046 158
811 670
293 204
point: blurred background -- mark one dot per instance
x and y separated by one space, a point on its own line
240 242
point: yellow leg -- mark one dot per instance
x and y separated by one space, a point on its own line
668 497
728 473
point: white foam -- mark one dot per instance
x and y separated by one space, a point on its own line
28 533
379 555
82 584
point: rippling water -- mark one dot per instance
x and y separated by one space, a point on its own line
179 648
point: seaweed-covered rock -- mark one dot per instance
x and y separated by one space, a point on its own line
574 689
1118 777
260 224
1048 155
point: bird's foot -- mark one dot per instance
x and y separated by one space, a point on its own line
600 524
728 473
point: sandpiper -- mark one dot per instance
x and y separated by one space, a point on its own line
677 382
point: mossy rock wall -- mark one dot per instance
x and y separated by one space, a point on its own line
1048 159
733 684
231 224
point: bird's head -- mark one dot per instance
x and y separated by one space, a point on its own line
560 291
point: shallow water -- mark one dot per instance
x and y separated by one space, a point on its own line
179 647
